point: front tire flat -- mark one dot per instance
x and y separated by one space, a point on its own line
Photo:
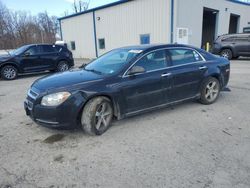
97 116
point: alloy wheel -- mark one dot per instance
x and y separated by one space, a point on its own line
103 116
9 73
212 91
63 67
225 54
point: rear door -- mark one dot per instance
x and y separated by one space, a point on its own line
49 56
186 70
241 43
145 90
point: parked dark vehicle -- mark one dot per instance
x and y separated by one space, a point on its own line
125 82
232 45
35 58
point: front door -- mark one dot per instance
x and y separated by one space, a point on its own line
30 59
145 90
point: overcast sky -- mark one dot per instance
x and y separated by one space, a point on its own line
54 7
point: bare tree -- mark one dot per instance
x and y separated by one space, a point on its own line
19 27
80 5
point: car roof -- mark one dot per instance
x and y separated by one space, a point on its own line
235 34
149 47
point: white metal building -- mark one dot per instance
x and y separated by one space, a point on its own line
131 22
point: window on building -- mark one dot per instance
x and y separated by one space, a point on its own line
183 56
246 30
153 61
73 45
145 39
101 43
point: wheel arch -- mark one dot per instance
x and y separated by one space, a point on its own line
215 75
115 105
229 48
10 63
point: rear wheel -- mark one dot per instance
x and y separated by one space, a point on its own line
62 66
210 90
9 72
97 116
227 53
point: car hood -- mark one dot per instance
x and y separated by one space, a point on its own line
66 79
5 58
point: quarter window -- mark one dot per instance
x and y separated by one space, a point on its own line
153 61
183 56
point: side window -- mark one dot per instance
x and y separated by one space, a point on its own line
48 48
153 61
183 56
145 39
33 50
228 39
241 38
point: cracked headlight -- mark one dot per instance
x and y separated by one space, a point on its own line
55 99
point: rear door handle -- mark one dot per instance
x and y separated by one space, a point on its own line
202 67
166 74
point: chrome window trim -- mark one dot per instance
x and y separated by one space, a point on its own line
171 48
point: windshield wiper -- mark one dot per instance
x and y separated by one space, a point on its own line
93 70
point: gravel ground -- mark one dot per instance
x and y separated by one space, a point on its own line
188 145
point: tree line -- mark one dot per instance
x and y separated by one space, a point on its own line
18 28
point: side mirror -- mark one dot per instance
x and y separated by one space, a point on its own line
135 70
26 54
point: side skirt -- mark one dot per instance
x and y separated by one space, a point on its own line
159 106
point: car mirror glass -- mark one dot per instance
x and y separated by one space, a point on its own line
26 54
136 69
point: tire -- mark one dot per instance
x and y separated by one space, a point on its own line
227 53
9 72
97 116
210 91
62 66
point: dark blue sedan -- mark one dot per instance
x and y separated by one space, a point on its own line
125 82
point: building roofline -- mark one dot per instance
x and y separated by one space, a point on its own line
95 9
239 2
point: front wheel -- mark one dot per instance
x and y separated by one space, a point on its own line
9 72
227 53
210 91
62 66
97 116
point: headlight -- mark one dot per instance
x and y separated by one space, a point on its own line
55 99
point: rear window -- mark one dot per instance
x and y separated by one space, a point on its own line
48 48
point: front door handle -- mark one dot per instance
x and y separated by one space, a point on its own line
166 74
202 67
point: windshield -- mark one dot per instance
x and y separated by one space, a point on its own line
19 51
112 62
